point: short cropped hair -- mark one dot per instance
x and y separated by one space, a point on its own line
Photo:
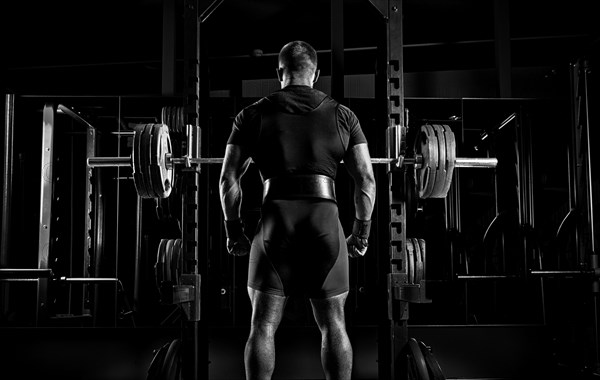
298 57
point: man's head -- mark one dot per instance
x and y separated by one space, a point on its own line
297 64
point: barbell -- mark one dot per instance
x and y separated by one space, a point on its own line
153 162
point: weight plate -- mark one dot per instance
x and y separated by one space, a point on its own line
175 119
168 256
167 120
181 124
427 146
418 261
176 261
175 199
432 364
410 261
159 273
145 159
423 256
160 146
417 363
172 362
138 176
412 193
440 176
157 363
162 209
450 156
163 115
175 122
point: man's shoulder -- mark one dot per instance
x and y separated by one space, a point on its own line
346 112
252 110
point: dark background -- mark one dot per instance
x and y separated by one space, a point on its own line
104 59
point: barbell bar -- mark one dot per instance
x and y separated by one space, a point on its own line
153 162
460 162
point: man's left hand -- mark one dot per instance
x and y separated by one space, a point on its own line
357 247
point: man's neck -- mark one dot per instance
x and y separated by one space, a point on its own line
296 82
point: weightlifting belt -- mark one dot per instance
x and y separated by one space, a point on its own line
299 187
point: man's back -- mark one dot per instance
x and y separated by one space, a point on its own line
297 130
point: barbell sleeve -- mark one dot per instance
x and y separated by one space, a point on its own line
459 162
108 162
462 162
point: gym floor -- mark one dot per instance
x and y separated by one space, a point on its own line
463 352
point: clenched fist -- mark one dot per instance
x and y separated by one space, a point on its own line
358 241
239 246
238 243
357 247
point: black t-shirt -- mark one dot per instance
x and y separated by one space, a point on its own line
296 130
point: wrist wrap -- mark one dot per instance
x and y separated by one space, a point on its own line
234 228
361 228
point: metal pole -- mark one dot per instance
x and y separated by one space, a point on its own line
337 50
593 259
168 47
7 177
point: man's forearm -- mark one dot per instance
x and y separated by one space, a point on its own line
364 199
231 199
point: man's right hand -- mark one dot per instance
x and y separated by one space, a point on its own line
239 246
238 243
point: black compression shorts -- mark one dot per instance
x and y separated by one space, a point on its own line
299 248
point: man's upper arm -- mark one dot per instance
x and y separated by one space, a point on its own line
358 163
235 162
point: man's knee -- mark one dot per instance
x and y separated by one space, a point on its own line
267 309
329 312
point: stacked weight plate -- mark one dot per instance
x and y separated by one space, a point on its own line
167 268
152 177
415 260
437 147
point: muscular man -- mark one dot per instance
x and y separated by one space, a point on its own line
297 137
